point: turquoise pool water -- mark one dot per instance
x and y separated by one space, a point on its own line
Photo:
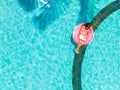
31 59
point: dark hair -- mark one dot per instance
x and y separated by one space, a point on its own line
87 25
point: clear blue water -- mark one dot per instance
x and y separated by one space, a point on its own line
35 60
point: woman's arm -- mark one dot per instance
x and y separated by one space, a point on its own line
91 28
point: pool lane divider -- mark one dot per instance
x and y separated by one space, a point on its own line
78 59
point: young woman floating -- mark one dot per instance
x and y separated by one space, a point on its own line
83 35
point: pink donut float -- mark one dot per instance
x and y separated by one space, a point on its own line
76 35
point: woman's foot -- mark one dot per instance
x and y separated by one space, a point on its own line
77 50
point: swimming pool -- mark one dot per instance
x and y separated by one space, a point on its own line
32 58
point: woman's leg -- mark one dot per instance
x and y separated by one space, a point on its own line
78 47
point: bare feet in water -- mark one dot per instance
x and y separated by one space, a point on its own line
77 50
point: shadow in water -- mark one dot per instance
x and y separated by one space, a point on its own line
71 39
77 63
77 67
104 13
49 15
83 11
28 5
43 16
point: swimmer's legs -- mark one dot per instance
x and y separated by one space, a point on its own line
78 47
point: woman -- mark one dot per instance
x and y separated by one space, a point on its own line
85 28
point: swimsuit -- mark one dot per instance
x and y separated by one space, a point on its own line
83 38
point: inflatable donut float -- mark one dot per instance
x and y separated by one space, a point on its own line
76 35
